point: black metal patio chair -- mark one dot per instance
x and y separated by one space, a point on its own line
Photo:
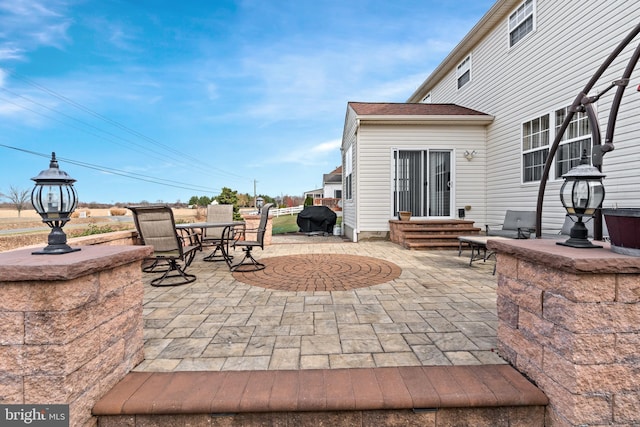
156 227
249 263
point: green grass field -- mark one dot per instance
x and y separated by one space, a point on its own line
284 224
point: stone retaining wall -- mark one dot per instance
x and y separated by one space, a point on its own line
252 223
569 319
71 325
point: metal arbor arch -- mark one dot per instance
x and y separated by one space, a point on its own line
584 103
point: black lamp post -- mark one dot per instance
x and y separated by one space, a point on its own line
259 204
54 198
581 194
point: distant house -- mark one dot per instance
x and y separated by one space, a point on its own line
314 194
332 184
330 194
476 134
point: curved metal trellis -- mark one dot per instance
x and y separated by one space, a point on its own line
583 102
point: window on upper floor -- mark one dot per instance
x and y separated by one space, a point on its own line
537 135
463 72
521 22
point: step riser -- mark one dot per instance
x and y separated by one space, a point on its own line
499 416
430 235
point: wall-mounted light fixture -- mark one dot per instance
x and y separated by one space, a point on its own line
469 155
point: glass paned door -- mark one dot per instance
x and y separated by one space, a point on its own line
408 181
439 201
422 182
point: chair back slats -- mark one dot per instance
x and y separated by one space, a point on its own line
156 227
217 213
262 226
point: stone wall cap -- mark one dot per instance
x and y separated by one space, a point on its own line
21 265
547 252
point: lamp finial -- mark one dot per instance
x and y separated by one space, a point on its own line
53 163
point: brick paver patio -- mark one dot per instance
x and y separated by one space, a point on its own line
405 308
321 272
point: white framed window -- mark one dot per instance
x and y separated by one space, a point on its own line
522 22
535 148
576 139
463 72
348 173
426 99
537 135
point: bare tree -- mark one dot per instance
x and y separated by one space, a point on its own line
18 197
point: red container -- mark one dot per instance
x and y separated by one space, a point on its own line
624 230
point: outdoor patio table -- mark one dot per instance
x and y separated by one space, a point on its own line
223 244
478 245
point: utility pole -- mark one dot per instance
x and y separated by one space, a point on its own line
255 196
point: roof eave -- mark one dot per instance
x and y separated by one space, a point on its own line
483 119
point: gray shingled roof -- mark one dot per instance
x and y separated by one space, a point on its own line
410 109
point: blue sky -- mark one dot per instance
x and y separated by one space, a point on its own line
162 100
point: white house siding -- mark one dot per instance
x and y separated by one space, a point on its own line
330 190
349 210
540 74
375 168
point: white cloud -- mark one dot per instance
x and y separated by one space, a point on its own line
26 25
329 146
323 153
8 52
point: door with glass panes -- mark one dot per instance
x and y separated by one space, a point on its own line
422 183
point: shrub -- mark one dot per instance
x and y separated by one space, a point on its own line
117 211
76 214
92 229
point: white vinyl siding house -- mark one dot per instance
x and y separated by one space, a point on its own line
376 134
527 62
537 76
349 212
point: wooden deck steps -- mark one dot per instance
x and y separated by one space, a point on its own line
430 234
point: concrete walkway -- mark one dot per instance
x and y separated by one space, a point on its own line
437 311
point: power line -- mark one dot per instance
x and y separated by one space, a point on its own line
130 175
112 122
76 127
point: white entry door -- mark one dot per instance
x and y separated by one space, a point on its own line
422 182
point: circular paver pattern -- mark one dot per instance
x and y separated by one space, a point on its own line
320 272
